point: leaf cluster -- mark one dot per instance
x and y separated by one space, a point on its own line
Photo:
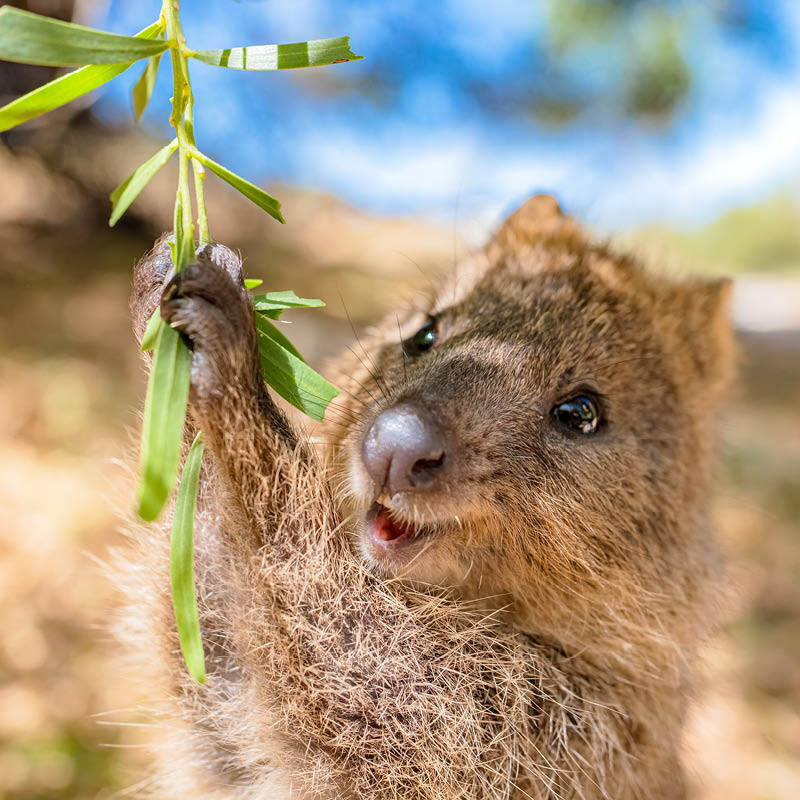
30 38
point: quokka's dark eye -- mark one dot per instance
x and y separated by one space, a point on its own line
579 414
422 340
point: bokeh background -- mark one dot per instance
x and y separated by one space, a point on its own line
670 126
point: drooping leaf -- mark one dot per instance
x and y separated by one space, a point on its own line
164 413
258 196
181 564
182 243
65 89
129 189
265 328
273 304
252 283
29 38
151 332
176 240
315 53
286 372
143 89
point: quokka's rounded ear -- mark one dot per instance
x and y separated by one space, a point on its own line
707 331
540 216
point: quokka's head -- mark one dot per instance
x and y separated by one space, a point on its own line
545 422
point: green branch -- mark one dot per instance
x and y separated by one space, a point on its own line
35 39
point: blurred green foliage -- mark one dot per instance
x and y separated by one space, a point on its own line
762 237
634 51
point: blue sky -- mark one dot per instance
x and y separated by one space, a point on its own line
432 121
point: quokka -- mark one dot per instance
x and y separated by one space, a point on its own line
492 579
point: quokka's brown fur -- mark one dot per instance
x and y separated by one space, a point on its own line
539 641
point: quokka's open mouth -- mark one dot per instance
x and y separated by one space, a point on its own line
387 530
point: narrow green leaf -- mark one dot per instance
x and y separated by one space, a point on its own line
268 329
286 372
164 413
252 283
129 189
144 86
249 190
151 332
177 241
181 564
316 53
65 89
273 304
184 250
29 38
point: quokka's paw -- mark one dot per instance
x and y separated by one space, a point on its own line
224 258
213 311
154 269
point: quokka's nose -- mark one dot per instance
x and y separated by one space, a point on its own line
404 450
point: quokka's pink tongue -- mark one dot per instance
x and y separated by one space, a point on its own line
385 529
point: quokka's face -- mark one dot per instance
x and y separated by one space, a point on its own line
530 420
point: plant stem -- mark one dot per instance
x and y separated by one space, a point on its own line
182 119
202 215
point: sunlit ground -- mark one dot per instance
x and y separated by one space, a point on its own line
70 387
